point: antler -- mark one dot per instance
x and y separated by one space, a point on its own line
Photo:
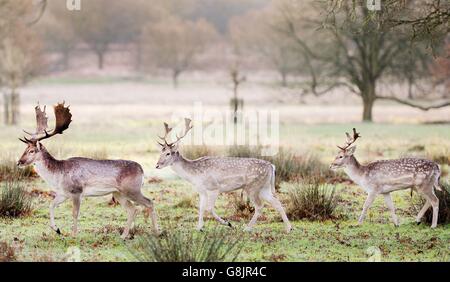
41 122
187 125
168 130
63 119
350 139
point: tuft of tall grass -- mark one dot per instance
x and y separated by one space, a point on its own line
289 167
442 158
7 252
186 202
417 203
15 201
9 170
181 245
242 206
195 152
96 154
312 200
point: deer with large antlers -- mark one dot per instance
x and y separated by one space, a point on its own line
386 176
214 175
76 178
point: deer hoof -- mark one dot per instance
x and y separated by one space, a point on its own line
229 225
58 231
418 222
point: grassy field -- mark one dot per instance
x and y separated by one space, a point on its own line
131 134
100 223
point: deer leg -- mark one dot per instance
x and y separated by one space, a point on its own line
258 206
201 210
60 198
424 209
369 200
255 216
390 205
146 202
212 197
274 202
76 202
434 202
131 213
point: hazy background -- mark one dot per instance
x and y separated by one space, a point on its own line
142 59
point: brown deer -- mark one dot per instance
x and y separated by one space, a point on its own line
386 176
214 175
76 178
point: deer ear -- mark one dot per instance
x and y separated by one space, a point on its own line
350 151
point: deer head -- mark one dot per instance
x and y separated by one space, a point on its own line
34 148
346 151
169 151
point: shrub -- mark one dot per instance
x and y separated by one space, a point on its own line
242 206
9 170
312 200
7 252
181 245
187 201
15 201
444 205
289 167
441 158
195 152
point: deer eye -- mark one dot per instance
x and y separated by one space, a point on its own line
341 157
168 154
31 152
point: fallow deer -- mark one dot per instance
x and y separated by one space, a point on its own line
76 178
214 175
386 176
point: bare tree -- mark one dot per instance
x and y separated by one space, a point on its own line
421 19
101 23
354 51
19 52
255 34
57 32
175 44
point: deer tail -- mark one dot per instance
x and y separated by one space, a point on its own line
272 180
436 183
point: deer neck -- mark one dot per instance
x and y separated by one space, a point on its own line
48 167
355 170
184 168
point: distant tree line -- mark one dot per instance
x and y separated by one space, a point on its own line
314 46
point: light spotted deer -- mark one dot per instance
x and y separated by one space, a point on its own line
76 178
386 176
214 175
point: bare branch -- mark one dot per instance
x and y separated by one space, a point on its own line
415 104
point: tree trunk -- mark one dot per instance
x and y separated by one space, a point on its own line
15 107
6 109
367 109
65 59
138 63
368 96
175 75
283 79
100 56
